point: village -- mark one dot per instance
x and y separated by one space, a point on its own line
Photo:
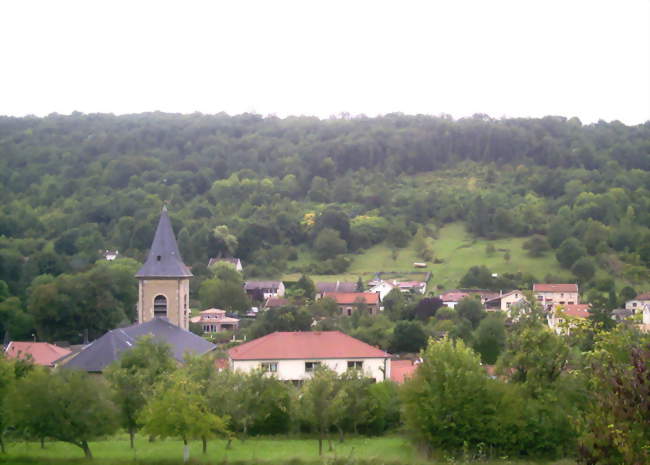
164 313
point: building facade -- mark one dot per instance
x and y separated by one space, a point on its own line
295 356
550 295
164 280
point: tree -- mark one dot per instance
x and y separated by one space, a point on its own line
227 295
177 409
306 284
289 318
328 244
570 251
223 242
489 339
615 428
408 336
471 309
394 304
584 269
360 285
133 376
447 402
321 403
421 245
536 246
62 396
427 308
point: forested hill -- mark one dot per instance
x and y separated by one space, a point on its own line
72 186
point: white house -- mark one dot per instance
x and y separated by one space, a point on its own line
214 320
550 295
294 356
233 261
638 303
382 288
503 302
264 289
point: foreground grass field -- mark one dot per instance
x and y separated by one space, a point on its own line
456 249
385 450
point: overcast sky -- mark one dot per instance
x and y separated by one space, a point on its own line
589 59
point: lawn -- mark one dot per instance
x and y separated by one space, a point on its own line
385 450
456 249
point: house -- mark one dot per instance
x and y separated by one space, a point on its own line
97 355
621 314
214 320
338 286
565 315
262 290
503 302
638 303
550 295
419 287
233 261
294 356
401 370
382 288
39 353
645 325
276 302
451 298
348 302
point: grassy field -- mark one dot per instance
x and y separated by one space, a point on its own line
457 250
385 450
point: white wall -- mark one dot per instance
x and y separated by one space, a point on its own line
290 370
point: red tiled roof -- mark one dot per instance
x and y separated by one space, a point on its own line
305 345
644 296
577 310
452 296
400 370
274 302
41 353
343 298
555 287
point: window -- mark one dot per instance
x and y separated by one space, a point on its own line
160 306
311 366
269 367
355 365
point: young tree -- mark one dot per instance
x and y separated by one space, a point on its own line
306 284
321 403
447 402
133 376
177 409
329 244
408 336
72 407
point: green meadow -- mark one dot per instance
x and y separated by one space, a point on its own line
455 249
384 450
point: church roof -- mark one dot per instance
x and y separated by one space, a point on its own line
164 260
97 355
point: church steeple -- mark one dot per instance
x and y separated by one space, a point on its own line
164 280
164 260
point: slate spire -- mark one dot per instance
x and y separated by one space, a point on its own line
164 260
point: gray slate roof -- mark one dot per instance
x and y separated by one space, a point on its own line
97 355
252 285
164 260
338 286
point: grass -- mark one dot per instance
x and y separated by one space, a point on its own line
457 250
384 450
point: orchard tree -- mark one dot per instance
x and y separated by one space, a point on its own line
322 403
178 409
68 405
133 376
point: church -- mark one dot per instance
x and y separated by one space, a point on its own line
164 280
163 309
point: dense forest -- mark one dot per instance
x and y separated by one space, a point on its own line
264 188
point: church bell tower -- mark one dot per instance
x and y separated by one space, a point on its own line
164 280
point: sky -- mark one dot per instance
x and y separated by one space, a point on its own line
589 59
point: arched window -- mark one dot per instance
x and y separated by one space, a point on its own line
160 306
